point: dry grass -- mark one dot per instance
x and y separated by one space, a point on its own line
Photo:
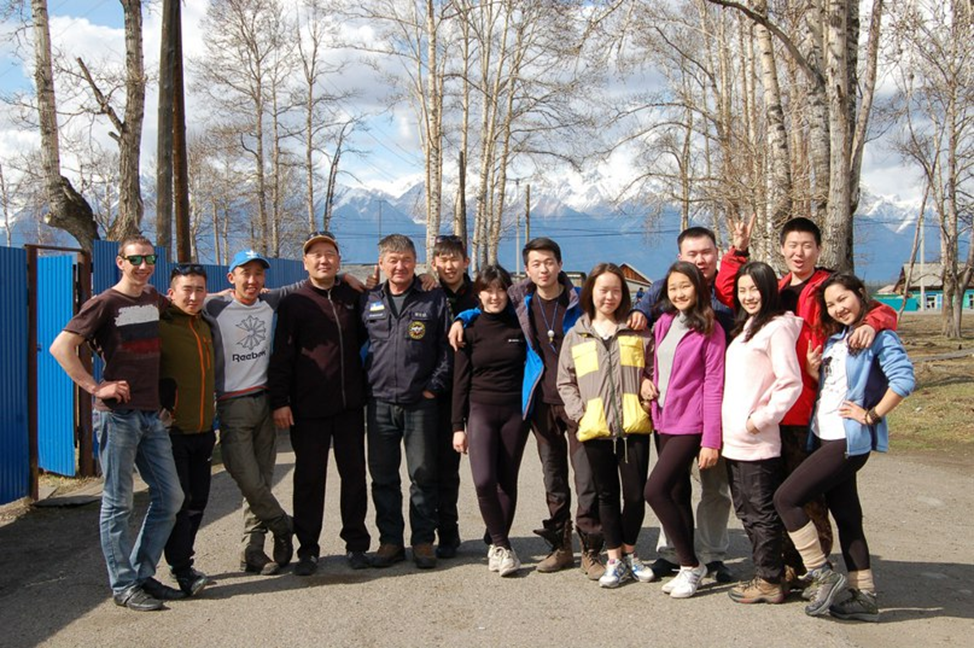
939 416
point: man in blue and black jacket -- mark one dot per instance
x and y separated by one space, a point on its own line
408 364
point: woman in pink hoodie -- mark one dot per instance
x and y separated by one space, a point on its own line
688 381
762 380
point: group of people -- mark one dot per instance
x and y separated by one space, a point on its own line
772 393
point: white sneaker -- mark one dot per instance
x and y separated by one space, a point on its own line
616 573
642 573
509 562
493 558
687 581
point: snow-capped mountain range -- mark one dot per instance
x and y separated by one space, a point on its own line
591 227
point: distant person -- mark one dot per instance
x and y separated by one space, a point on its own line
487 420
450 263
801 247
317 391
762 381
686 393
857 391
186 387
601 369
243 323
122 326
640 293
547 307
408 365
698 246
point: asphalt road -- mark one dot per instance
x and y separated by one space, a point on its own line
54 590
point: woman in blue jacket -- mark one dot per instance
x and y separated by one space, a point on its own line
856 393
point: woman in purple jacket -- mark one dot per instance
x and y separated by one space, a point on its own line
688 382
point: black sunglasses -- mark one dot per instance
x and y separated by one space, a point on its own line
185 269
447 238
137 259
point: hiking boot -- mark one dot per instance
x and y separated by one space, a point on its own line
191 582
757 590
284 542
827 583
424 556
137 600
640 571
559 558
306 566
447 551
686 582
720 572
859 605
255 561
493 558
358 560
591 562
387 555
616 573
157 590
663 567
509 562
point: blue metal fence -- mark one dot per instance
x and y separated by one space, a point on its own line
14 458
55 391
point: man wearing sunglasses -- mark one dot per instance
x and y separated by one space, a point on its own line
186 391
317 391
122 325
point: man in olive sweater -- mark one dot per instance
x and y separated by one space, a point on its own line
316 387
187 394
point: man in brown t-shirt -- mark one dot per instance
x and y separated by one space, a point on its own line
122 325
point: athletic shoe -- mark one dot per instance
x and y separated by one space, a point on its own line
509 562
616 573
493 558
137 599
720 572
192 582
358 560
306 566
663 567
757 590
859 605
827 584
687 581
641 572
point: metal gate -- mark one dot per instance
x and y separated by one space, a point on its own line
55 391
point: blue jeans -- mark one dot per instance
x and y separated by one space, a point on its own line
413 426
128 439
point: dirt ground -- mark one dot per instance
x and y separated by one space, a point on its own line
54 591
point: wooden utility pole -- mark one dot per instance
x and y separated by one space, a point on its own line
179 154
165 131
527 215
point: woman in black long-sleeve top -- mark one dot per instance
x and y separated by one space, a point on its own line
487 381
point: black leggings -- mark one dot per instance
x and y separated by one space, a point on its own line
496 435
668 491
611 461
830 472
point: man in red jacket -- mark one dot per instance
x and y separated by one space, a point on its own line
801 247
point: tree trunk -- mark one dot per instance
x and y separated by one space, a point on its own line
167 60
67 209
130 206
837 227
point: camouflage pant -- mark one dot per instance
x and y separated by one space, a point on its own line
793 451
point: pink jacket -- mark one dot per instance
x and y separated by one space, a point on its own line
696 384
762 380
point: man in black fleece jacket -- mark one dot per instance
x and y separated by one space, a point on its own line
317 390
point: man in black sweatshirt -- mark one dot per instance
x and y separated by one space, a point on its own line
317 390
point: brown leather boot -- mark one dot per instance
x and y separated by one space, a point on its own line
561 556
591 544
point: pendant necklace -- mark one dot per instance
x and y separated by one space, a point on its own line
550 325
